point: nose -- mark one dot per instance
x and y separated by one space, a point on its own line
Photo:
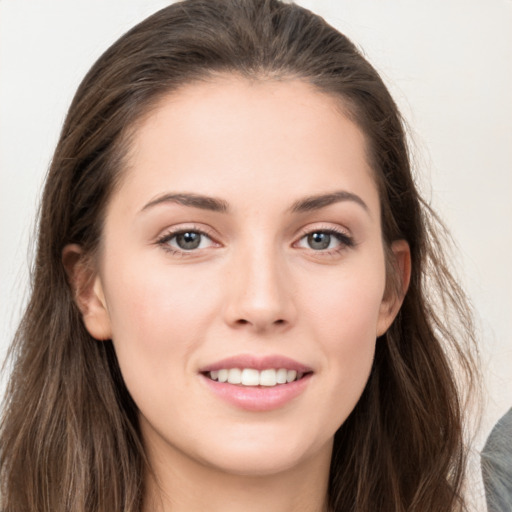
260 294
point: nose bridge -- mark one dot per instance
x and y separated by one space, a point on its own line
259 292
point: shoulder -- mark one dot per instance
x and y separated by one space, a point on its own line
496 462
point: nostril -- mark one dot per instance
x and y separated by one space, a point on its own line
243 321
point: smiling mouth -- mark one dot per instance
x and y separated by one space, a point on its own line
251 377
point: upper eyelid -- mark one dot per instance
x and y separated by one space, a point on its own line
344 236
167 236
325 227
173 231
170 232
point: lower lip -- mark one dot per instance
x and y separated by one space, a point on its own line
259 398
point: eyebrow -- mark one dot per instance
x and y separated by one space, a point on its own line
319 201
214 204
193 200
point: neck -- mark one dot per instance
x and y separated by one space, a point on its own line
179 484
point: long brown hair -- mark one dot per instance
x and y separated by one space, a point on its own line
69 434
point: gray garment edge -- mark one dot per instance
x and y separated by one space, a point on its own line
496 464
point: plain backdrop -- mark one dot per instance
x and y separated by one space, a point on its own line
448 63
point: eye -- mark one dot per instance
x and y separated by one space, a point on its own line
325 240
186 240
319 241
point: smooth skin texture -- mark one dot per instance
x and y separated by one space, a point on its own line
266 277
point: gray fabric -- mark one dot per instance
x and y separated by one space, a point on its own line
496 463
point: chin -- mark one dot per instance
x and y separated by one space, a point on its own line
260 457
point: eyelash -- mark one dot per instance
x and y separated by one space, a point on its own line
345 241
164 240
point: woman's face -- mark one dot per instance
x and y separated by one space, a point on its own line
244 243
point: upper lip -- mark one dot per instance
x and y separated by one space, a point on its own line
257 362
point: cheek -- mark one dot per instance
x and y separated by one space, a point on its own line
346 303
346 326
158 315
345 316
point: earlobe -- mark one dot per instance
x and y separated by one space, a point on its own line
88 292
399 276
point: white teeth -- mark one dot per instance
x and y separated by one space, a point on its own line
268 378
251 377
291 375
281 376
234 376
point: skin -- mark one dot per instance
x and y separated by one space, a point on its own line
254 286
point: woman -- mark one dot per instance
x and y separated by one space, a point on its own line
229 304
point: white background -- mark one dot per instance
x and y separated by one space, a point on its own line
448 64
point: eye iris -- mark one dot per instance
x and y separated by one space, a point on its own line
319 240
188 241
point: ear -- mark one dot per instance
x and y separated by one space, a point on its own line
397 283
88 292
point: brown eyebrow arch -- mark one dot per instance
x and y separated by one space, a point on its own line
193 200
322 200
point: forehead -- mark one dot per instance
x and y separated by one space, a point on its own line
232 134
